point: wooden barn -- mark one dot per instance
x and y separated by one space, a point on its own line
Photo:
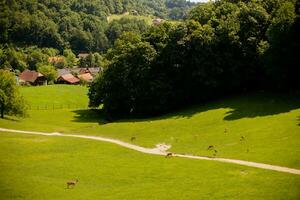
68 79
32 78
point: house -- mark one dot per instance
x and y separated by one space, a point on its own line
64 71
157 21
84 70
92 70
95 70
68 79
32 78
83 55
86 77
56 59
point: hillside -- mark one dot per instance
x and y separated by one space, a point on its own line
261 127
80 25
37 167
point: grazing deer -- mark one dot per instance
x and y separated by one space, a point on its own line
169 155
210 147
72 183
132 139
215 153
242 138
225 131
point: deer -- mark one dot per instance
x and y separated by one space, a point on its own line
242 138
210 147
168 155
132 139
215 153
72 183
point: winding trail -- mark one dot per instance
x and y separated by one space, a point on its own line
161 149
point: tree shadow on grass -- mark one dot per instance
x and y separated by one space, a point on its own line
251 105
11 119
90 116
262 104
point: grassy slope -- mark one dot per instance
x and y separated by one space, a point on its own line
147 19
37 167
56 95
269 124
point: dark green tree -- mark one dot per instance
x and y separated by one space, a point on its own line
11 102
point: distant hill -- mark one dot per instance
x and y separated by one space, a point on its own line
77 24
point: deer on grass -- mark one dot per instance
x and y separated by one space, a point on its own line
72 183
168 155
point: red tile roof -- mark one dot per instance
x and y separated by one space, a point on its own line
29 76
69 78
86 77
56 59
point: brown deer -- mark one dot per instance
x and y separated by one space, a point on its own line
168 155
132 139
72 183
210 147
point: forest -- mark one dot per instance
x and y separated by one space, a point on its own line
32 31
225 47
212 50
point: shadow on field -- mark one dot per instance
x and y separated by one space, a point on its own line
90 116
11 119
253 105
261 105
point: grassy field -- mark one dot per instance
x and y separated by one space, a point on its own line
56 96
147 19
259 127
37 167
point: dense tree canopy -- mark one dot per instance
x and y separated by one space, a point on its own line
76 24
224 47
11 102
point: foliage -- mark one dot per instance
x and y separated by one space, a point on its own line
220 123
282 58
74 24
125 24
224 47
49 72
92 60
11 102
70 57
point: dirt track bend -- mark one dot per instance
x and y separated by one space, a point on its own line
161 150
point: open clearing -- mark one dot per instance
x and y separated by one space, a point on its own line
259 127
160 149
37 167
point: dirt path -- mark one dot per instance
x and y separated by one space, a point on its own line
161 149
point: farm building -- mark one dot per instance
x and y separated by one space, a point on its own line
92 70
56 59
157 21
86 77
32 78
64 71
68 79
83 55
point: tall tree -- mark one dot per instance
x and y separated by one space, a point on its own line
11 101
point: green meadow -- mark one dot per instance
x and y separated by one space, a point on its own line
147 19
261 127
37 167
